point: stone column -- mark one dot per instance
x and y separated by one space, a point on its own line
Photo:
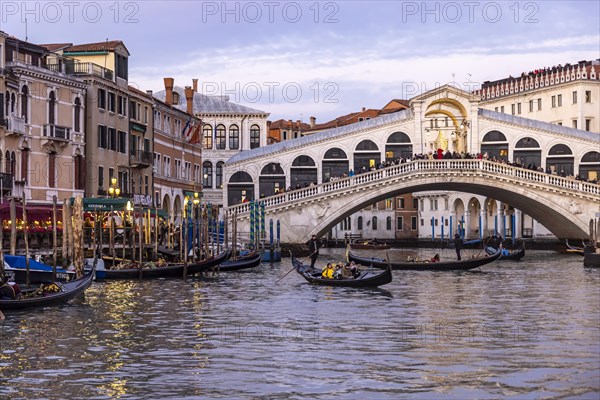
468 229
500 216
484 222
518 224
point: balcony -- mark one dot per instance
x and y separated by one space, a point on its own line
60 135
89 69
15 125
6 183
141 159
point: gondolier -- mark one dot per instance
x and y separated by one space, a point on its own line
313 247
458 245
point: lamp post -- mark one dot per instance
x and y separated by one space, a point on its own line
114 190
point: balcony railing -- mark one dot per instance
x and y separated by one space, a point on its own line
141 159
6 180
57 132
89 69
15 125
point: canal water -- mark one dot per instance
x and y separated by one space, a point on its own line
522 330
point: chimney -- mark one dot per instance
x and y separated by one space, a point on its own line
189 97
363 109
149 92
290 124
298 122
195 85
169 89
313 121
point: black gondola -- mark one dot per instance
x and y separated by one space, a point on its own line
455 265
514 255
68 291
367 278
15 270
247 261
169 270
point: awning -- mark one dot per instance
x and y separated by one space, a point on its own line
100 204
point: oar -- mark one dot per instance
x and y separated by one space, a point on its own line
293 268
1 316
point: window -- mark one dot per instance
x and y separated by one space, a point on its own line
100 177
374 223
122 182
559 100
220 137
207 139
575 123
219 175
207 175
389 204
415 204
530 105
359 223
422 222
588 124
121 66
52 109
102 99
539 104
234 137
496 109
575 97
502 109
167 166
25 102
588 96
122 143
254 137
156 163
196 173
553 101
518 108
177 168
146 184
121 103
77 115
132 110
102 137
400 203
111 102
388 223
112 139
512 108
399 223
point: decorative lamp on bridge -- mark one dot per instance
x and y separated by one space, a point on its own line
114 190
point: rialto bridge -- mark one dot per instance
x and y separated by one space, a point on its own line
446 118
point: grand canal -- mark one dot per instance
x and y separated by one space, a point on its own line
528 329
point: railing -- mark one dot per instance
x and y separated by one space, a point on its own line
91 69
483 168
16 124
141 158
57 132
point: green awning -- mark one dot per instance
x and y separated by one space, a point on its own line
137 127
100 204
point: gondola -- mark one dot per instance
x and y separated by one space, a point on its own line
169 270
68 291
247 261
367 278
514 255
369 245
467 244
573 249
15 270
455 265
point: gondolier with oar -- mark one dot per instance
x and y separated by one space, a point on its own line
313 247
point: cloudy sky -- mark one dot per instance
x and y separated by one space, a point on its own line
320 58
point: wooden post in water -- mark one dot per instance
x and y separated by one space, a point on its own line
1 256
226 230
13 227
156 233
64 252
133 240
54 239
111 235
141 226
26 236
69 231
77 225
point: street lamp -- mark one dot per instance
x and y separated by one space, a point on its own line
114 190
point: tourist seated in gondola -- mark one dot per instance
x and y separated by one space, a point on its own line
347 272
9 290
435 258
327 272
354 269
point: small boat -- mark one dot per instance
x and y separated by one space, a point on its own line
65 292
367 278
247 261
574 249
514 255
454 265
153 271
15 270
369 245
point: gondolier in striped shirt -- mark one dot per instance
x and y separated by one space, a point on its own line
313 247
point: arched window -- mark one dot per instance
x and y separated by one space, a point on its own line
207 174
207 138
240 188
254 137
219 175
234 137
494 136
374 223
6 104
25 103
52 109
366 156
398 146
220 137
8 166
77 115
388 223
359 223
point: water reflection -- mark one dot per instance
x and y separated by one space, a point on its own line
527 329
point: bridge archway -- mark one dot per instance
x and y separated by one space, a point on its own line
398 146
303 171
166 204
589 167
271 179
366 156
335 163
494 143
240 188
528 152
560 159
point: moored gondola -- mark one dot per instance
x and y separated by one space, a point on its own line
15 270
367 278
369 245
514 255
247 261
65 292
573 249
455 265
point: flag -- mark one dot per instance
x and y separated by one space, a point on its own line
186 128
195 137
